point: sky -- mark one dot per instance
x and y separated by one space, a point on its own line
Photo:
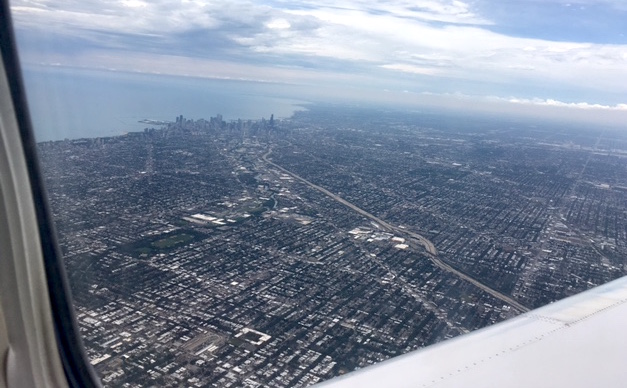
532 55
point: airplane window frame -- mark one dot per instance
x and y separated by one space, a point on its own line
77 369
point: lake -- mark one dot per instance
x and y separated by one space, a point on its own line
70 104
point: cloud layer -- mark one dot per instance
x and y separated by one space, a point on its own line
438 46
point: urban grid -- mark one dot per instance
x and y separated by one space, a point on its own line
285 252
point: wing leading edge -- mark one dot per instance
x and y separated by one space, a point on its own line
580 341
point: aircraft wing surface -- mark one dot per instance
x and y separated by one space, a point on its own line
580 341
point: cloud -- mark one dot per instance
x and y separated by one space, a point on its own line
431 44
132 17
446 11
409 68
615 4
527 101
573 105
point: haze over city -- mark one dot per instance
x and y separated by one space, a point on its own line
565 59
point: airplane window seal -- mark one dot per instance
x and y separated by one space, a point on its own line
77 369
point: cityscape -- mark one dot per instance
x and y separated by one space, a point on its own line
285 252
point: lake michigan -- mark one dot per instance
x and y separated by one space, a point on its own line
71 104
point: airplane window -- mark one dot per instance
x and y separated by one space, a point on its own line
277 193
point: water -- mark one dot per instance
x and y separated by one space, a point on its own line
71 104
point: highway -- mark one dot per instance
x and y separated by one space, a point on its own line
413 238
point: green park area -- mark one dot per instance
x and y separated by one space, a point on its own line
148 246
172 241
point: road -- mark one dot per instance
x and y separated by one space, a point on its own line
413 237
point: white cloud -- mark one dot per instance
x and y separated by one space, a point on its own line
134 3
561 104
469 52
402 39
121 17
409 68
278 24
581 106
616 4
425 10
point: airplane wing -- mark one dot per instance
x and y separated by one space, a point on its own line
580 341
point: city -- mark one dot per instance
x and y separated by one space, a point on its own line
287 252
